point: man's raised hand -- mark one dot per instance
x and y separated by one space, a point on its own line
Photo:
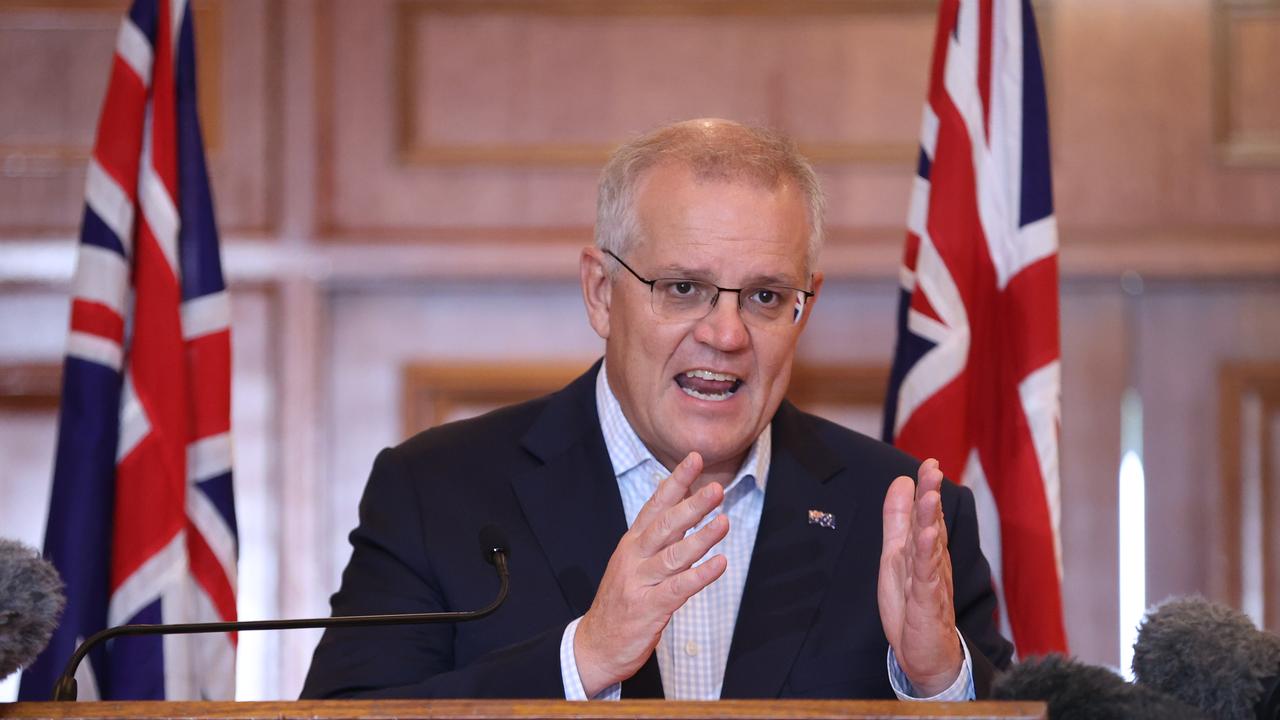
649 577
915 588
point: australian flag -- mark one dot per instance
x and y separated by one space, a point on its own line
975 380
142 521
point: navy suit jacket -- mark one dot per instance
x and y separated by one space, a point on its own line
808 625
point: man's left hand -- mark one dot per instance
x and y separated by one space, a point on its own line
915 590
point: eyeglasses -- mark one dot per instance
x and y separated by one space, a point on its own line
682 299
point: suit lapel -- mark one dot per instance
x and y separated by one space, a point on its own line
792 562
573 506
571 501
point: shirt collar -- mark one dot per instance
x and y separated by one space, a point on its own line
627 452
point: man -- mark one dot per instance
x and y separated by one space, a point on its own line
677 528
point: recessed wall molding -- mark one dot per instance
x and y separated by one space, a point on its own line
1249 448
53 99
500 113
416 147
30 386
1246 60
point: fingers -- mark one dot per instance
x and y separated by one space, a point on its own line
672 523
929 562
926 556
679 556
671 490
688 583
928 505
930 476
910 505
927 512
661 525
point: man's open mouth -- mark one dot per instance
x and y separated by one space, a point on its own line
708 385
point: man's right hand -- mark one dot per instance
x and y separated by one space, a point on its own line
649 577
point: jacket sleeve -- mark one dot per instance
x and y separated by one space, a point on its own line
975 597
390 572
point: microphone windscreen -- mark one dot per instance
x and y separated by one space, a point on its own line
1076 691
1207 655
492 541
31 600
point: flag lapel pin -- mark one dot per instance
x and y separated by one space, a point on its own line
822 519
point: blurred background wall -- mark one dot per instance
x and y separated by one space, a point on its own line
403 186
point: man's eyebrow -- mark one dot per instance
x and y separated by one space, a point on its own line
775 281
680 271
706 275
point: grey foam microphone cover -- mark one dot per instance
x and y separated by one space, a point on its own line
1207 655
31 600
1076 691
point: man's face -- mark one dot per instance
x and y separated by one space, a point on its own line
709 385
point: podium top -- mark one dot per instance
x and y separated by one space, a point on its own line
527 710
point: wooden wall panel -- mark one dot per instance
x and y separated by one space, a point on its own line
1249 453
1132 122
52 76
495 116
1186 332
30 386
54 63
436 393
31 340
29 416
1094 360
1246 60
561 82
245 164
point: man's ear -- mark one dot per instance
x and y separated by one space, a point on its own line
597 289
808 306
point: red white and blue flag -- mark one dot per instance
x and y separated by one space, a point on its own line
976 378
142 521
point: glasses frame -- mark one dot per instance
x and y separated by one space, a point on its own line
808 294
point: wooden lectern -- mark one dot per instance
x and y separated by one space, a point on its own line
526 710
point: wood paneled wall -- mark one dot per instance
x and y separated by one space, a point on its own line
406 183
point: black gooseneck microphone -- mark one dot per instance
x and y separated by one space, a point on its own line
493 547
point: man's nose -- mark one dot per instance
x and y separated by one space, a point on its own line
722 327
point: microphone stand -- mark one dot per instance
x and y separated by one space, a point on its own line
65 689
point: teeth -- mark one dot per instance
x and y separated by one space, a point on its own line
717 397
713 376
708 375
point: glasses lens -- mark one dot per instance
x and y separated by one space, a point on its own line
768 305
680 299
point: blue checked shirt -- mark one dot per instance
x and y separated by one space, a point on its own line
694 648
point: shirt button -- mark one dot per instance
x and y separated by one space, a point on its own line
691 648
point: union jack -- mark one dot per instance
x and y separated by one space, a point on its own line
142 520
975 380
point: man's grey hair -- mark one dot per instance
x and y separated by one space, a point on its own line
714 150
